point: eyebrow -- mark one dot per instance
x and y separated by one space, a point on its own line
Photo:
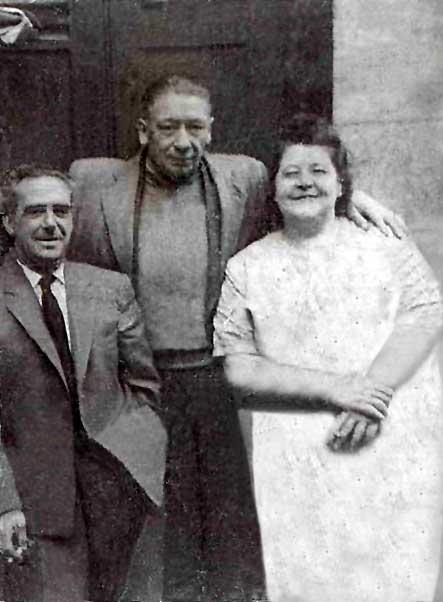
43 207
187 120
314 164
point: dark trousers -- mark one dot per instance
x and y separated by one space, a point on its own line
212 542
93 563
115 509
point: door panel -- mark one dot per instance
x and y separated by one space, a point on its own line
53 87
261 60
210 65
74 89
208 41
35 113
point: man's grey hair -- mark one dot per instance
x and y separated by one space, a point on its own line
10 178
173 84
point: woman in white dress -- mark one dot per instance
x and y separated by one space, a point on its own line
328 334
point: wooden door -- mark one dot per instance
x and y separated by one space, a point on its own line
248 53
73 90
54 100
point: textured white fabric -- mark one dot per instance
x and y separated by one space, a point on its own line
346 527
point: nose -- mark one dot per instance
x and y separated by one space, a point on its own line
305 180
182 141
49 220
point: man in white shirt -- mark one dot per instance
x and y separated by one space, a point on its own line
78 390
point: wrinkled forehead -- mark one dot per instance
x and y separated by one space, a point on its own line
43 190
179 107
306 153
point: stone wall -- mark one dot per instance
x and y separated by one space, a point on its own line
388 104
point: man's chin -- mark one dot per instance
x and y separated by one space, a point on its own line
49 252
181 176
44 261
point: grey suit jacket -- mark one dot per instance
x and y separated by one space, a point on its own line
104 206
117 384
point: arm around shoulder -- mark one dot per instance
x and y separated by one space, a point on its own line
363 210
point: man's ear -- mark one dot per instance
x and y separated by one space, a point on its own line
8 224
340 188
211 121
142 131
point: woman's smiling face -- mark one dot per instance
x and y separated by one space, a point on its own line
307 185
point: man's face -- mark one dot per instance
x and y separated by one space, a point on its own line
42 223
177 133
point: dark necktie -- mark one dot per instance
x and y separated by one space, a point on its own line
53 317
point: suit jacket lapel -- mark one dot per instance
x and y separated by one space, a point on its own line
229 212
23 304
118 207
217 214
82 313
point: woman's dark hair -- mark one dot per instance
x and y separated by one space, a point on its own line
310 130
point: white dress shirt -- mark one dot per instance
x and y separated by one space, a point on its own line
58 289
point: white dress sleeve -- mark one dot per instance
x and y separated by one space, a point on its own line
420 299
233 324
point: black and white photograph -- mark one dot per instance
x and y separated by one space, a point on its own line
221 251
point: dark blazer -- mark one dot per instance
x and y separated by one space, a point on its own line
104 199
117 389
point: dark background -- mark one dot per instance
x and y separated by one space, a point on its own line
73 90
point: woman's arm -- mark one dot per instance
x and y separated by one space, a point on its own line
418 323
416 330
260 383
404 351
397 361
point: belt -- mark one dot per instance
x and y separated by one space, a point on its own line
181 359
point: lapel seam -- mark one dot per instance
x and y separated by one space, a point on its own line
74 297
15 282
122 242
109 234
35 340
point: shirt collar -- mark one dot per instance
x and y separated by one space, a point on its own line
34 277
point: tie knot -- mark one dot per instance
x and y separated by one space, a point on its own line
45 282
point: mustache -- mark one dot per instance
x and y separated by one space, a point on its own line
188 153
51 233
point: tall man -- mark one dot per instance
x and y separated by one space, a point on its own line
75 378
170 218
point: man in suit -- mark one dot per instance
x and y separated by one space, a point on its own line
79 397
170 218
